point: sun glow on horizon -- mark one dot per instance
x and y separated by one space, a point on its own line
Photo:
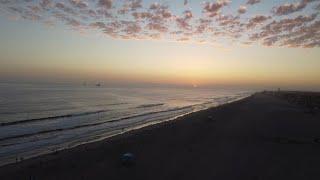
32 52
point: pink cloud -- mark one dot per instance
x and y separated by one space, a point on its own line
203 26
130 5
131 28
129 19
289 8
213 8
141 15
135 4
183 22
61 6
257 20
99 25
288 24
307 37
107 4
242 9
79 3
290 32
252 2
45 4
157 27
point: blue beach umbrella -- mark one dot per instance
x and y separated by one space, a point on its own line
128 159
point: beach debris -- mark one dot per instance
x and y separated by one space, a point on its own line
128 160
210 119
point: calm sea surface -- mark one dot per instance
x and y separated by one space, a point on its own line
38 119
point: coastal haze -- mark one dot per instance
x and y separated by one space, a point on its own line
125 89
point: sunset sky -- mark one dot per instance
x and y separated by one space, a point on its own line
185 42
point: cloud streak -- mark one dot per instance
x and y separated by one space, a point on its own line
289 8
242 9
216 22
252 2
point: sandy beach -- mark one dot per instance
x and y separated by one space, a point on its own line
159 90
264 136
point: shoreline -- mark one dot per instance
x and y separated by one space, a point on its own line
104 137
233 143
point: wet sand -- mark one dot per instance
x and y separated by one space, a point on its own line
261 137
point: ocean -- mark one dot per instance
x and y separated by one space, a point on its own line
40 119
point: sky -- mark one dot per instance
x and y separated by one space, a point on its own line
255 43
